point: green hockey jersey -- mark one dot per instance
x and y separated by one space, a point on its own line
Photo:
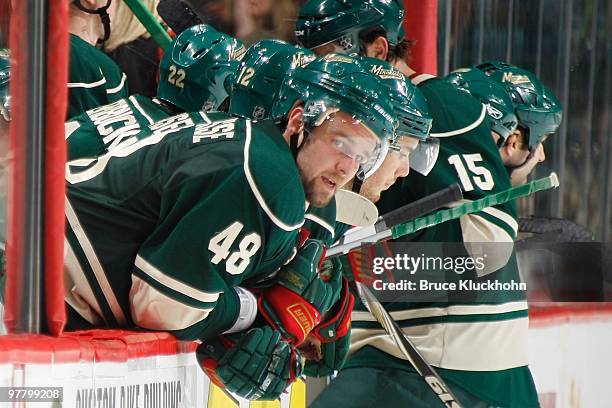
163 226
104 127
479 344
94 79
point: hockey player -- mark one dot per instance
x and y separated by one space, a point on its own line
167 229
262 67
522 111
478 348
93 78
195 74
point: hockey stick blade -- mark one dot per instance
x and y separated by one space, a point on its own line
382 229
178 15
431 377
355 209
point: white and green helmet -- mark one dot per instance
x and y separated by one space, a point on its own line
337 82
410 108
261 75
538 111
197 69
500 109
321 22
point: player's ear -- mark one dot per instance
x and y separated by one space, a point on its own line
379 48
295 123
511 144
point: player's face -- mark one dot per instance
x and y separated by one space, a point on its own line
332 155
523 161
396 164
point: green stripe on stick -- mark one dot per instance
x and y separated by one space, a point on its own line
441 216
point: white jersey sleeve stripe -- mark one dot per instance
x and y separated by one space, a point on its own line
86 84
505 346
175 284
255 190
118 87
483 114
95 264
475 309
153 310
141 110
321 222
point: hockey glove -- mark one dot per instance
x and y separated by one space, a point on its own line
333 335
296 302
256 365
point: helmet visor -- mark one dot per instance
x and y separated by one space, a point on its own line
421 154
351 137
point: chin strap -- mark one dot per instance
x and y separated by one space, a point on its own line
293 144
358 181
102 12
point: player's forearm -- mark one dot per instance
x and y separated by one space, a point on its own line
235 311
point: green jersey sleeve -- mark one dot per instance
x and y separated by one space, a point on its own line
93 80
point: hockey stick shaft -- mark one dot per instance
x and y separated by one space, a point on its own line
430 376
423 206
382 229
546 183
149 21
441 216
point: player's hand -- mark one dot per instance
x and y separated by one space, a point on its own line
326 348
294 305
256 365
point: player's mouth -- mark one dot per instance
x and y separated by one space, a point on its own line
329 183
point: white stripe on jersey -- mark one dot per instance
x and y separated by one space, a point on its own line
483 114
118 87
255 190
77 292
445 311
321 222
153 310
173 283
86 84
472 346
95 264
141 110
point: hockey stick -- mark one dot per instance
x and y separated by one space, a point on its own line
178 15
147 19
417 224
545 183
431 377
355 209
382 229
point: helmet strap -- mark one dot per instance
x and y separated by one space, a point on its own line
357 181
293 144
102 12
